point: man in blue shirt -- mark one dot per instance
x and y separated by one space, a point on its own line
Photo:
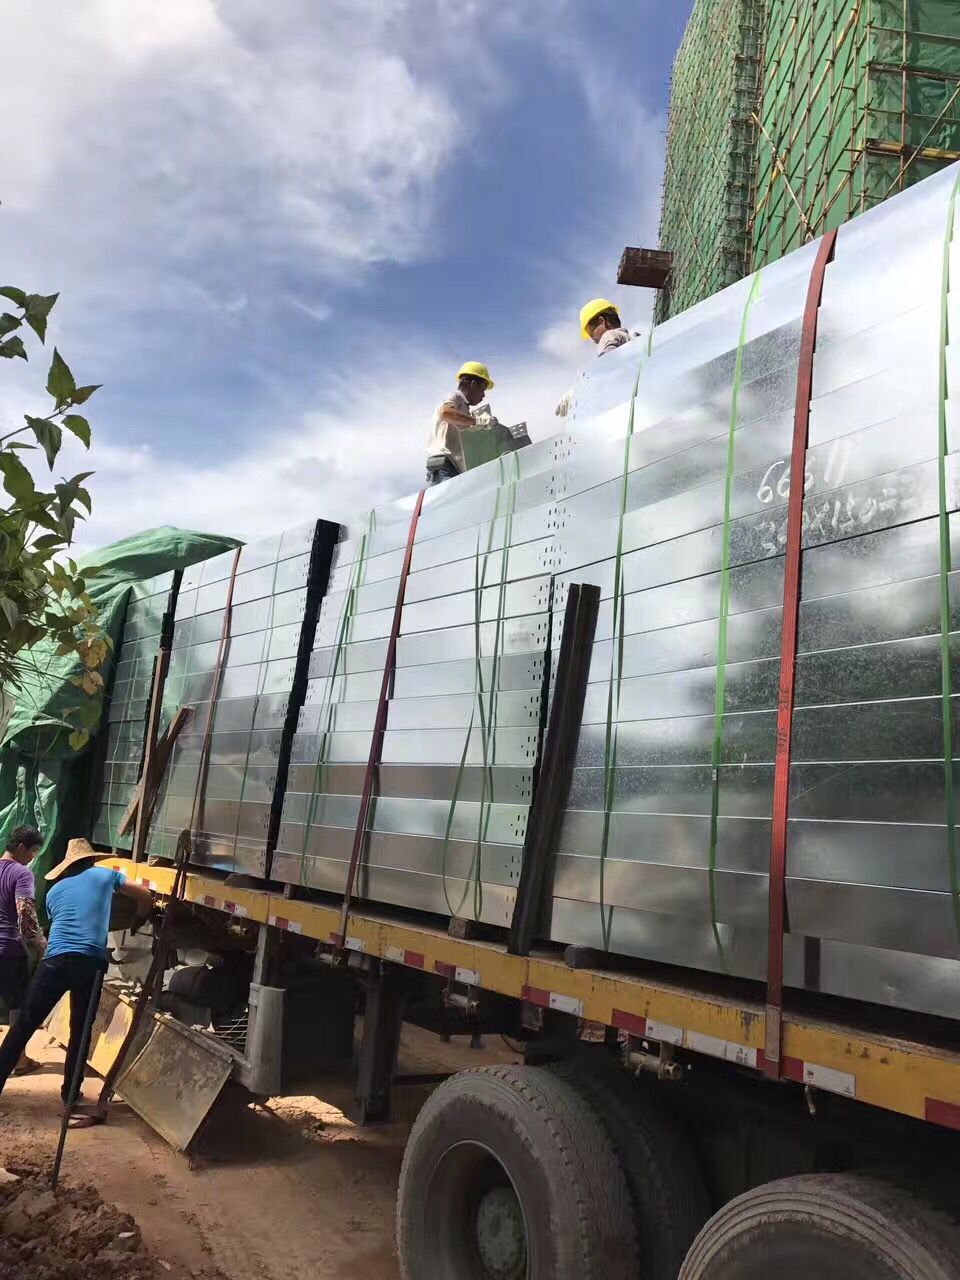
79 908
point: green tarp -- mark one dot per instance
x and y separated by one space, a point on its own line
41 777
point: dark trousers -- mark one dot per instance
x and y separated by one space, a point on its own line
54 978
440 469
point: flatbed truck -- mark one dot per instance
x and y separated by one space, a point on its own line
640 1136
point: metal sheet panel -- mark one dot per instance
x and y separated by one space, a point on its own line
229 807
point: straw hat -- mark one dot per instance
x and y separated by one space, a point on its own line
77 851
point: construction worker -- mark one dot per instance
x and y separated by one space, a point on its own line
19 927
79 908
454 419
600 323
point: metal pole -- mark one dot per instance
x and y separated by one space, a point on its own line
82 1050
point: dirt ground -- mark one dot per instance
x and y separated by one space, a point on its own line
290 1192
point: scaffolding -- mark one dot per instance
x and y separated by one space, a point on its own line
788 117
859 99
710 151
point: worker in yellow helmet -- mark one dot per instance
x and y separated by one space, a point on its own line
600 323
454 419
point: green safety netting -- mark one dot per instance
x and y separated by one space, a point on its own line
43 780
858 99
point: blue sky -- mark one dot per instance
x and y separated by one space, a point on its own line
278 229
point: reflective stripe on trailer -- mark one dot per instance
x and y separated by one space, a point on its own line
552 1000
649 1028
281 922
817 1077
349 944
945 1113
728 1050
810 1073
412 959
469 977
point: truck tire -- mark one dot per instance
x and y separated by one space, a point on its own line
832 1226
670 1201
509 1175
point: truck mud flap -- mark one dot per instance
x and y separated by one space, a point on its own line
175 1074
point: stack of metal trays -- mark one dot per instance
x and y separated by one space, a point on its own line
228 804
871 910
463 729
668 488
150 606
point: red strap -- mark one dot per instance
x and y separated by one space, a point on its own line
379 726
788 660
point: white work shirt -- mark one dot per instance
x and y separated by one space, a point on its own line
614 338
446 438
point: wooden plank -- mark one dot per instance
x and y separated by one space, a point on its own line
161 759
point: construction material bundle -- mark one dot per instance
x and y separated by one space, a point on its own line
455 771
240 623
149 614
669 489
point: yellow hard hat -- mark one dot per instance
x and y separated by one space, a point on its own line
471 369
592 309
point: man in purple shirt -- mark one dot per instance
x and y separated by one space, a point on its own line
18 924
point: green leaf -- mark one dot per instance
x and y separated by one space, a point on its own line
37 309
17 480
79 426
18 444
89 714
8 323
47 542
82 394
10 611
15 295
79 739
13 347
60 383
46 520
83 497
49 437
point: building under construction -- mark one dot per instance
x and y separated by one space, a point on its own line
789 117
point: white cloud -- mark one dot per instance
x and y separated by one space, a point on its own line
183 129
181 158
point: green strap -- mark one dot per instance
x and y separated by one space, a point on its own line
493 698
720 694
946 563
347 614
485 711
477 684
611 737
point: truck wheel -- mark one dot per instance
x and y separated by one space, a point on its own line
508 1175
670 1202
832 1226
